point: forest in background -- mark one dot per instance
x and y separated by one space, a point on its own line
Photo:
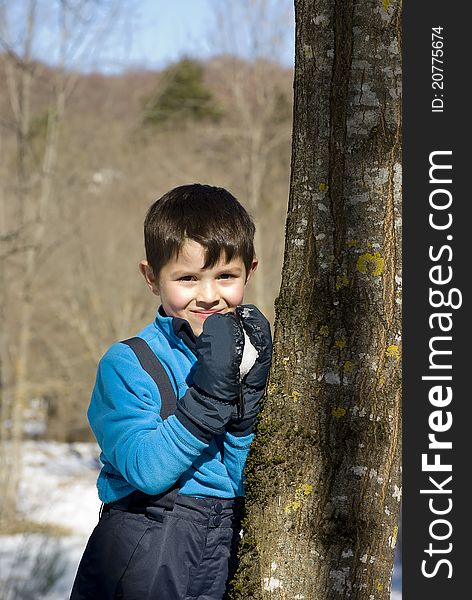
122 141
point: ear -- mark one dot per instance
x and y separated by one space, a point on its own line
253 267
148 275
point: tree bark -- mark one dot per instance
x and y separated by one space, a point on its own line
323 476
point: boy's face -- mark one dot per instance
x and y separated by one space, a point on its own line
190 292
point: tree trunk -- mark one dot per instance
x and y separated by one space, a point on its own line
323 475
33 212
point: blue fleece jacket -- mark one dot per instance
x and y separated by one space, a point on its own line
142 451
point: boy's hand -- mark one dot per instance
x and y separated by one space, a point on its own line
207 405
219 351
253 385
258 329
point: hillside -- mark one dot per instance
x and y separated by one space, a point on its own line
81 218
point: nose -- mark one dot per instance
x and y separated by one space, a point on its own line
207 293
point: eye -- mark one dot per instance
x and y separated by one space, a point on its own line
186 278
227 276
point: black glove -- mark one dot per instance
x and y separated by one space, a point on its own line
257 328
206 406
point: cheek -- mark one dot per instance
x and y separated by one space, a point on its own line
235 294
174 299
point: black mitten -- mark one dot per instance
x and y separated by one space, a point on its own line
257 328
206 406
219 351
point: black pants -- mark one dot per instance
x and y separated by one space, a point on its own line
187 553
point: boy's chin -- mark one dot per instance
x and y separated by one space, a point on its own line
196 330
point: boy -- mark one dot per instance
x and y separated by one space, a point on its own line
172 487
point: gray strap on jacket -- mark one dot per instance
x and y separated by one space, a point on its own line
153 366
138 501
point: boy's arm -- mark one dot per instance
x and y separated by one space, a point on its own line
236 449
216 386
150 453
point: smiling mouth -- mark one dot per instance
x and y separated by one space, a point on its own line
203 314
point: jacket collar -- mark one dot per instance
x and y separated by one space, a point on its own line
175 326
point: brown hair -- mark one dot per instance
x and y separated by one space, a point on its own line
206 214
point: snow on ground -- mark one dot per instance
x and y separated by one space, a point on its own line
38 567
58 484
58 488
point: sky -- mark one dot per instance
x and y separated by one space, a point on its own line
159 32
163 31
154 33
166 30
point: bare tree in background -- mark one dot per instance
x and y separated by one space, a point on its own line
29 205
257 127
323 475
